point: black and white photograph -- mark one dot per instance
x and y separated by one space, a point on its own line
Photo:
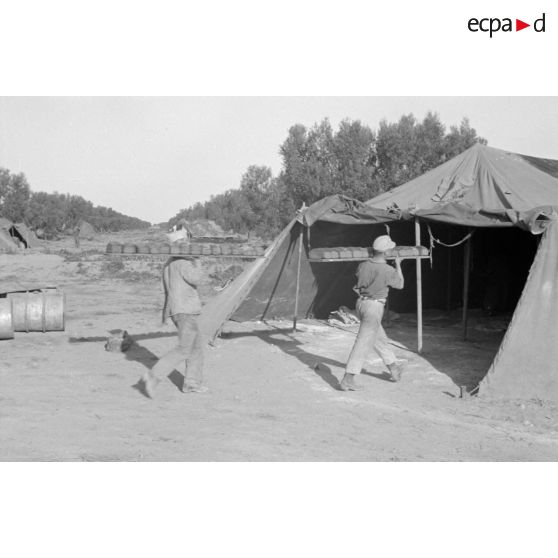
293 278
278 279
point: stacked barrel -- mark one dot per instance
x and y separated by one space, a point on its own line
361 253
186 249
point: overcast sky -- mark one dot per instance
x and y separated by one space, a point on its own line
149 157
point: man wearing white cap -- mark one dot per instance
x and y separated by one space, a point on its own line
374 279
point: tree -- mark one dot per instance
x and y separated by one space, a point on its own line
255 185
407 148
430 147
279 210
46 212
55 213
461 138
14 195
319 161
295 175
355 156
395 149
4 185
77 209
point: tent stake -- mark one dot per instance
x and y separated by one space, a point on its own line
300 239
466 267
419 288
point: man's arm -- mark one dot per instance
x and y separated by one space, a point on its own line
398 280
191 272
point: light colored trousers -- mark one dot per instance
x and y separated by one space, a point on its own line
189 348
371 335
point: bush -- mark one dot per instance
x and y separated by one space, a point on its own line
112 267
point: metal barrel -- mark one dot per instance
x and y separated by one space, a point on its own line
129 249
6 319
114 248
38 311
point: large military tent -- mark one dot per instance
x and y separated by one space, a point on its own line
488 203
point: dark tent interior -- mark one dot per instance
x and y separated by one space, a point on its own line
500 262
18 237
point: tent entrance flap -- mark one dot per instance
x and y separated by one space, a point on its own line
221 307
525 365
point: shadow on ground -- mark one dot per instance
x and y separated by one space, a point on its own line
135 337
464 362
141 354
292 346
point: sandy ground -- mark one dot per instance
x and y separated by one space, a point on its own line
273 395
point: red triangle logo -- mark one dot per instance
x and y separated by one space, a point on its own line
519 25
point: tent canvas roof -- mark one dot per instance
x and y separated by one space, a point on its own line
482 186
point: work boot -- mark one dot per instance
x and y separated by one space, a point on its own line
348 383
396 369
194 388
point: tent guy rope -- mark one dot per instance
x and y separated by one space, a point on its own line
434 240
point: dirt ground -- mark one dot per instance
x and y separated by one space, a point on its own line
273 394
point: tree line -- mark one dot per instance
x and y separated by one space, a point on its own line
318 161
54 214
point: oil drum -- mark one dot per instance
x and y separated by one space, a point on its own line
38 311
6 321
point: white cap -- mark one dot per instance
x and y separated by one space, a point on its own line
383 243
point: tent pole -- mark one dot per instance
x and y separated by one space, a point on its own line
448 296
419 288
300 239
466 268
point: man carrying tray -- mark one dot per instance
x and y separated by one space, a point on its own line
374 279
181 276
